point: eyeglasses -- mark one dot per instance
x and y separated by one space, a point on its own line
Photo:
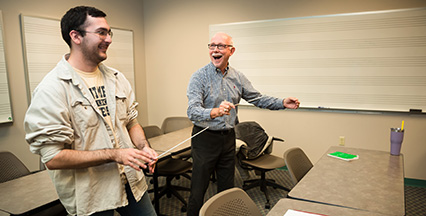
219 46
101 33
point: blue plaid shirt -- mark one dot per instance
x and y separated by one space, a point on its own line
208 87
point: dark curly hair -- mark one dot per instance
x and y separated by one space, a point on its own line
74 19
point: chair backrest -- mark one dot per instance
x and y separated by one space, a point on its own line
231 202
257 141
11 167
297 162
171 124
152 131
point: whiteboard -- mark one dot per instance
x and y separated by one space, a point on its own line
5 106
44 48
373 61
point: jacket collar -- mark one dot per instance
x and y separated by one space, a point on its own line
67 72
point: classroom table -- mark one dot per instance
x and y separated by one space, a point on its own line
163 143
374 182
281 207
166 141
21 195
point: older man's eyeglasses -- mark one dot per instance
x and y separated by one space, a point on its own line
219 46
101 33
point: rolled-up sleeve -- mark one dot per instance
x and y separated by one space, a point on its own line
47 123
132 114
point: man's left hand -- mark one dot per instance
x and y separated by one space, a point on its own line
291 103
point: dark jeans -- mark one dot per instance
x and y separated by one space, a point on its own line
211 151
143 207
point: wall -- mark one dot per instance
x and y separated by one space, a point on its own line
120 14
176 38
170 39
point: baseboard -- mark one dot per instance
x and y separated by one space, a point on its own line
415 182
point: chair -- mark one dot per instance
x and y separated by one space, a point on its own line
152 131
262 162
231 202
298 163
12 168
170 168
171 124
173 168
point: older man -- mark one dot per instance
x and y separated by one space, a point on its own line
212 94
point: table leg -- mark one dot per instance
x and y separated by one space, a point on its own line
156 200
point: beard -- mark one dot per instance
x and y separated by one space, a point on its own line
94 54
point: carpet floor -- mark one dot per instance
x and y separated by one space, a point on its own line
415 197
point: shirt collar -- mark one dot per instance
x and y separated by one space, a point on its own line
218 69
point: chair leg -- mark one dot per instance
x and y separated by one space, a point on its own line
254 183
275 185
180 188
186 176
263 187
170 190
263 183
173 189
213 177
177 195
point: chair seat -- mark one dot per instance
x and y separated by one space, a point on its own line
183 155
173 167
266 161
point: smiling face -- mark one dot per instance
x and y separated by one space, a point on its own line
93 46
218 57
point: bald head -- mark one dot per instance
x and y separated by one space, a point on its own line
223 37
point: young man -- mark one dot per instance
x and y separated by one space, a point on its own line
82 121
212 94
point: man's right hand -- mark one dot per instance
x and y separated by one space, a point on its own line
224 109
134 158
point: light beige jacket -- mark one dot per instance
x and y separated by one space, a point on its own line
63 114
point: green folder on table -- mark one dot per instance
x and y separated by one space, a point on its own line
343 156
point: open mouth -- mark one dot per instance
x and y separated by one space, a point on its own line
217 56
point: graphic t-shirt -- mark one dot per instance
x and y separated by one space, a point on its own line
95 82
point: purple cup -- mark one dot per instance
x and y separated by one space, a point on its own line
397 135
